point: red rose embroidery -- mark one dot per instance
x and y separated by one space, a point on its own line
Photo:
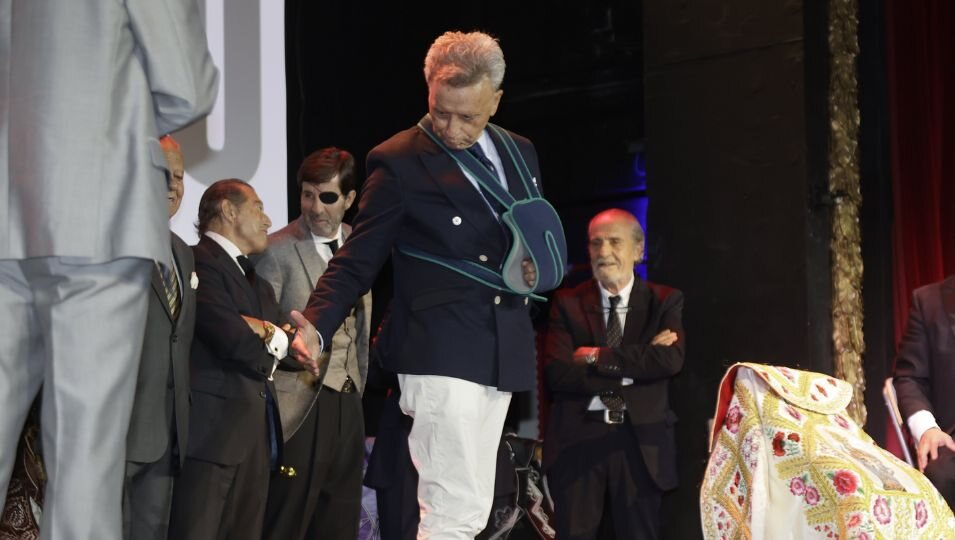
794 437
853 521
881 511
845 482
812 496
779 448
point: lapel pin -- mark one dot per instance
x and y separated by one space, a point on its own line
194 281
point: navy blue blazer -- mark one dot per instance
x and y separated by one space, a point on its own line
442 323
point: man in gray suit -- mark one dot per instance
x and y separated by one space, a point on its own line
320 492
159 427
86 88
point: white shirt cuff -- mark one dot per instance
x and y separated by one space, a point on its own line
919 423
278 345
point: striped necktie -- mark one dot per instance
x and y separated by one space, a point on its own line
170 282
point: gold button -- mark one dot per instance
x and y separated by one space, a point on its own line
483 258
497 299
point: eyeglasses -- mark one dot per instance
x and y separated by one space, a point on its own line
328 197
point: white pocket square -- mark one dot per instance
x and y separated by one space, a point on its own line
194 281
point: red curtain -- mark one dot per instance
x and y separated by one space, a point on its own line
920 50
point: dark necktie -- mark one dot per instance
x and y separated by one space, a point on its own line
478 153
247 267
333 245
611 399
614 332
170 282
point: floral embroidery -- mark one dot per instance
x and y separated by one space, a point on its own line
733 417
797 487
863 536
841 421
881 511
921 514
793 412
812 496
778 448
846 483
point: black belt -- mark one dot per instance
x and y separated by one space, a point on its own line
607 416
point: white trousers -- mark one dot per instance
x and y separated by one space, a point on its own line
77 328
453 444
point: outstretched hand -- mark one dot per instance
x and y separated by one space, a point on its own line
305 347
931 441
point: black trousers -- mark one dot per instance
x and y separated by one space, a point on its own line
323 499
941 472
213 501
603 477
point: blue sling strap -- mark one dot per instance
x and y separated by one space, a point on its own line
536 230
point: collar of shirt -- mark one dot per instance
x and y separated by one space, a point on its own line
324 240
321 244
624 295
487 145
228 246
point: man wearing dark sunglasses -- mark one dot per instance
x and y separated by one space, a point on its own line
318 493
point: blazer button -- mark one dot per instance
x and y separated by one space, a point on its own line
525 300
483 258
262 395
175 339
456 220
497 300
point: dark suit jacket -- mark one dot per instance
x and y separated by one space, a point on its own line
925 366
576 320
165 347
230 366
446 324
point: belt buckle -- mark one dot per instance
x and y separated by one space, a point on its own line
613 417
349 386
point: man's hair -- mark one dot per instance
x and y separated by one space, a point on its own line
621 215
322 165
460 60
210 205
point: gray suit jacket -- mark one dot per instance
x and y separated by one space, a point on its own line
292 265
165 359
86 87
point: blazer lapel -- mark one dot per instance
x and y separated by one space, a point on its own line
231 268
160 289
594 313
312 262
637 311
948 301
515 185
181 251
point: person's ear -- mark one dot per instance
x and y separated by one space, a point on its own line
350 198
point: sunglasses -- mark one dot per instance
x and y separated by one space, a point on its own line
328 197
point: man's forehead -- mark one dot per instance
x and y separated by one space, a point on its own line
332 184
